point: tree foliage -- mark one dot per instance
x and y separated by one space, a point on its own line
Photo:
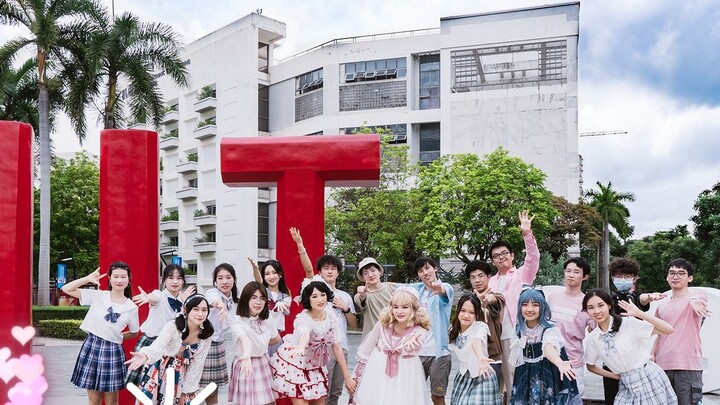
469 203
707 227
74 206
574 225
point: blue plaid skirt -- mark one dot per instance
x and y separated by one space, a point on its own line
135 375
100 365
474 391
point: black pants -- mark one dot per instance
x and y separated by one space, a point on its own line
610 387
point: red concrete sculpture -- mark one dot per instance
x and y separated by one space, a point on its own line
129 211
301 167
16 228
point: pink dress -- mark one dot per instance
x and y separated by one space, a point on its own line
305 376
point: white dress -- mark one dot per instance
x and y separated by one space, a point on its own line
381 383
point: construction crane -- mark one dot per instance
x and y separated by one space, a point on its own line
580 158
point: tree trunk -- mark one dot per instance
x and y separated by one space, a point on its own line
43 297
603 279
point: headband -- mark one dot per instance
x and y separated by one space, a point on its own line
306 282
193 296
408 290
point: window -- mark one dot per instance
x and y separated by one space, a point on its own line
309 81
210 237
375 70
263 108
263 56
429 81
191 269
399 131
429 142
193 183
263 226
210 210
173 241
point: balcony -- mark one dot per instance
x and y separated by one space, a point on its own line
187 193
206 104
169 143
187 167
204 247
205 220
170 117
204 132
169 225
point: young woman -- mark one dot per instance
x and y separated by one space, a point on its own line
100 366
543 374
272 276
165 306
475 382
625 345
299 364
389 369
182 345
251 378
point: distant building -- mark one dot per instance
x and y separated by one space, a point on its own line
475 83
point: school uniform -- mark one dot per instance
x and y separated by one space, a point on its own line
255 389
100 365
216 364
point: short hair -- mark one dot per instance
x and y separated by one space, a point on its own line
478 265
243 307
307 292
421 262
330 260
580 262
533 295
121 266
681 264
499 244
180 322
230 269
170 269
624 265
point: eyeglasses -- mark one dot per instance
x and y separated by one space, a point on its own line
504 253
628 277
261 299
677 274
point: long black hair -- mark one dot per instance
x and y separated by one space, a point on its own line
181 321
455 327
121 266
230 269
605 296
282 287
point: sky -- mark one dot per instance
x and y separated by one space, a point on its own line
649 67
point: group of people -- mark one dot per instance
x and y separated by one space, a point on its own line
513 345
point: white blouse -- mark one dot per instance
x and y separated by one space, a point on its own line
467 359
304 324
221 327
257 330
624 350
278 317
550 336
160 314
107 319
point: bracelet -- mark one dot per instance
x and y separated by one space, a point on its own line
302 251
346 311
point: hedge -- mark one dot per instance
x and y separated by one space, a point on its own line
56 313
62 329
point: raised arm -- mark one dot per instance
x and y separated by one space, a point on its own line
256 270
304 258
72 288
532 255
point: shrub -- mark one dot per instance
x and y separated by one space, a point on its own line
205 92
62 329
170 216
57 313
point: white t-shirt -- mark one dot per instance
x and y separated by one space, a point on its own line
258 331
341 331
629 349
160 314
278 317
220 327
102 312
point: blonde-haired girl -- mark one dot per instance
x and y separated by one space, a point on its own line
389 369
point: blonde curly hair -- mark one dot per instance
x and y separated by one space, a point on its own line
400 297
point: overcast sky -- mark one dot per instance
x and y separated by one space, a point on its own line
650 67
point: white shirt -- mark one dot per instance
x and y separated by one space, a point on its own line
629 349
95 322
257 330
278 317
160 314
467 359
430 344
220 327
341 331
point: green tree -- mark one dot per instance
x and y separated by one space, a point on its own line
53 26
18 94
379 222
573 225
707 227
609 203
469 203
74 206
656 251
124 49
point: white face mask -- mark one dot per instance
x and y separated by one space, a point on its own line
622 285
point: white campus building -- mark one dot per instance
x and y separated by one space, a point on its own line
472 84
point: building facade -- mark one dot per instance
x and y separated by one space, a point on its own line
475 83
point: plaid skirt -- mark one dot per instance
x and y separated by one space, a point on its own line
135 375
646 385
255 389
100 365
473 391
216 369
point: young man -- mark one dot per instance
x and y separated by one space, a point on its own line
492 306
624 273
436 297
680 353
328 267
508 281
567 313
375 295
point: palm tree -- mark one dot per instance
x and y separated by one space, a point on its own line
53 25
609 204
124 50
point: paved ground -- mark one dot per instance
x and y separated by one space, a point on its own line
59 357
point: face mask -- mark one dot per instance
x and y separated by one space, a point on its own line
622 284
